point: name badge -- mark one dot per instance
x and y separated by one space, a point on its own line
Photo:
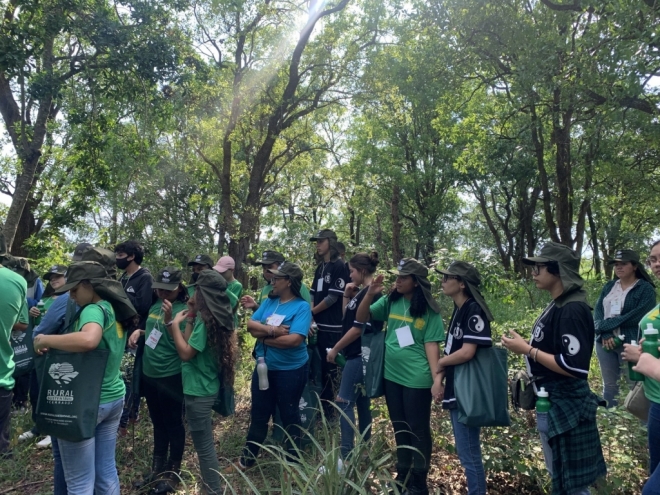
450 341
615 308
275 320
404 336
153 339
319 285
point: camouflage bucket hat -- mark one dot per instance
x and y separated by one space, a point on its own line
103 256
293 272
472 279
410 266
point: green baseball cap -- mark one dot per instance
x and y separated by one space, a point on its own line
289 270
55 270
169 278
270 257
324 234
202 259
470 276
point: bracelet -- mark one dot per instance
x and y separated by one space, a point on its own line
536 354
529 353
169 324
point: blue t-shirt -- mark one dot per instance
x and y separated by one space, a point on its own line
298 315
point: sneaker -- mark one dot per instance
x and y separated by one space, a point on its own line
340 468
45 443
25 436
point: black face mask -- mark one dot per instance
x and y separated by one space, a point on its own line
194 277
122 263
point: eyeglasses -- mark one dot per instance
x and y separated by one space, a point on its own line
446 278
536 269
651 260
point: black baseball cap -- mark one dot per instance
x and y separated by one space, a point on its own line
55 270
269 257
324 234
202 259
169 278
80 249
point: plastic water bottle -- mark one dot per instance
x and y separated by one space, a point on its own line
617 343
650 343
633 375
542 402
40 307
312 339
262 372
339 359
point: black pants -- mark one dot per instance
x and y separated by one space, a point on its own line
410 413
329 372
5 418
165 402
21 390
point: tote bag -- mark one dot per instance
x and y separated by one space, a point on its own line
21 343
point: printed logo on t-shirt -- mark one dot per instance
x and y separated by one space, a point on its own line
476 324
351 305
458 331
340 283
130 289
327 278
419 323
62 372
571 343
302 404
538 332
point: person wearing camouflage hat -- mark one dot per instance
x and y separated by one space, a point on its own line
209 353
280 326
330 278
414 329
91 462
469 328
558 356
269 260
161 381
622 303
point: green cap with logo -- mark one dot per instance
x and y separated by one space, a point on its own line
631 256
108 289
410 266
169 278
269 257
324 234
470 276
293 272
18 265
569 271
55 270
202 259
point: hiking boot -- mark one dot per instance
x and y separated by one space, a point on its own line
168 482
157 467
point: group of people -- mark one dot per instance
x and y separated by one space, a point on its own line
184 340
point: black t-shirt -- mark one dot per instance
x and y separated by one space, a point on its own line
329 278
354 349
468 325
139 292
568 333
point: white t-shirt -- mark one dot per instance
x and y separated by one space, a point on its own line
613 302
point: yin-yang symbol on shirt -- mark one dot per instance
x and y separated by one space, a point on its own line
476 324
571 343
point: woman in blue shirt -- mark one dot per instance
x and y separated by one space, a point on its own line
280 326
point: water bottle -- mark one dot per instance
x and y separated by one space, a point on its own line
40 307
617 343
542 408
262 372
339 359
312 339
650 343
633 375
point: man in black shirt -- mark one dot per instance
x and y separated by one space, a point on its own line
327 291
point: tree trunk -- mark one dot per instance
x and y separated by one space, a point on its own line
396 224
594 243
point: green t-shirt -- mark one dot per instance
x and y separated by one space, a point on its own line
304 293
407 366
161 360
24 317
200 374
113 339
651 386
13 289
236 288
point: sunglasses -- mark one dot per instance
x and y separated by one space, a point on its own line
446 278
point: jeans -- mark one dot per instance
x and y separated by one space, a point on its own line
59 482
329 372
468 446
410 413
611 367
198 415
652 486
542 424
89 465
5 419
654 436
351 394
165 402
285 388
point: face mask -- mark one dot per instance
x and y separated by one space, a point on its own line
195 276
122 263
